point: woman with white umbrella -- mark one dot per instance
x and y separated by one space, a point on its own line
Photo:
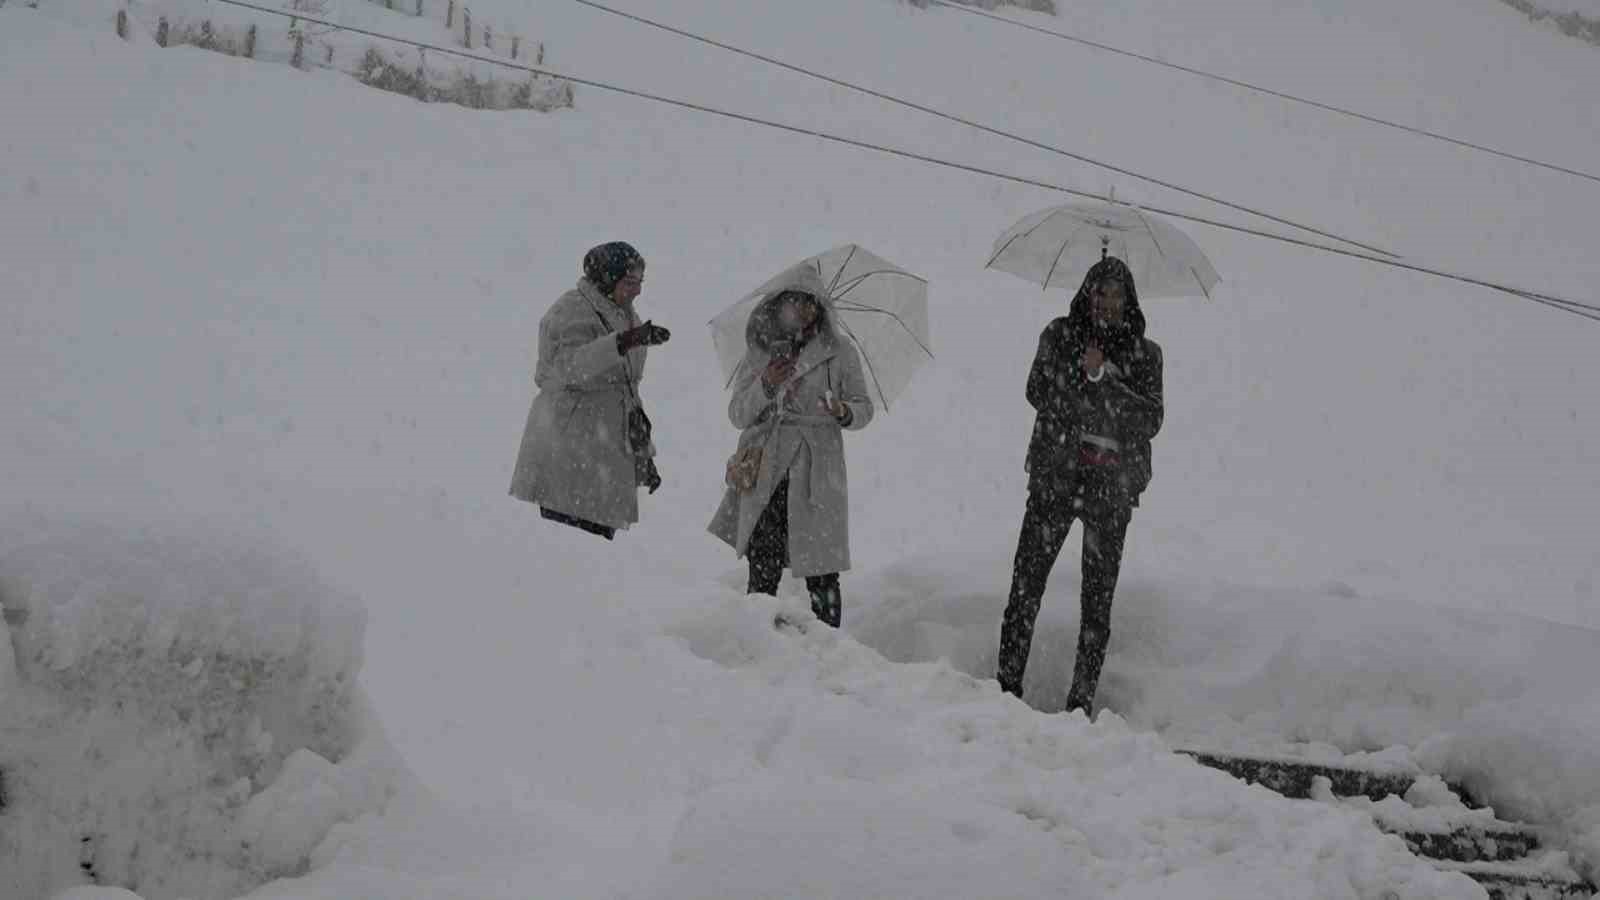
1096 386
799 386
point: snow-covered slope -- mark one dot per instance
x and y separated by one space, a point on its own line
234 292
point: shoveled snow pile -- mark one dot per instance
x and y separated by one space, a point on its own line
178 712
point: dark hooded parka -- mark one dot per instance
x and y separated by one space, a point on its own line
1088 460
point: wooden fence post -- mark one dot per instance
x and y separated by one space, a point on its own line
515 43
450 15
250 43
540 59
298 60
122 24
161 32
330 55
466 20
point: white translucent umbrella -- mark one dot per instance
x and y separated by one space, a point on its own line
1054 248
879 307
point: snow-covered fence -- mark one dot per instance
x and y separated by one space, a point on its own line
1044 6
1573 23
232 40
408 71
393 67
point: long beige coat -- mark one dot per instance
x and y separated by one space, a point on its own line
805 444
575 456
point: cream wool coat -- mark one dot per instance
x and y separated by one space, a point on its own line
575 456
799 441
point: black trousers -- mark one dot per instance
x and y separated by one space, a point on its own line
1092 497
768 555
604 531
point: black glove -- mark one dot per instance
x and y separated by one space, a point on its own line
647 335
645 474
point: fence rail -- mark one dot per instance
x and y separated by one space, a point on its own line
403 71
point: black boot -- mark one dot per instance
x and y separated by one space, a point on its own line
827 602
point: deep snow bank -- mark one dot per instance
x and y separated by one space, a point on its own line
179 713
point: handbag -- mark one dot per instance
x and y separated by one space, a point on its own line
744 466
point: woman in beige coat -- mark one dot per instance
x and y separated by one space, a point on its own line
798 388
586 447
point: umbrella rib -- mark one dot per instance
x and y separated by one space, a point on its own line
867 359
842 266
1065 243
855 283
1045 286
1152 232
865 275
860 307
1200 281
1014 238
1073 234
895 316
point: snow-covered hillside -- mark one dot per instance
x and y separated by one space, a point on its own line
240 299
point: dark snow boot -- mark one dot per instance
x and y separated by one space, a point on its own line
826 599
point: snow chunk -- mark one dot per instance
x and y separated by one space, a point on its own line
179 712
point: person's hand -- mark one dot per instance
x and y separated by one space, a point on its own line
1094 362
777 372
833 406
647 335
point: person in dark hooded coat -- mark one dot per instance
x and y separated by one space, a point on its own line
1096 387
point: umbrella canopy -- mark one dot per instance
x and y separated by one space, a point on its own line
1055 246
879 307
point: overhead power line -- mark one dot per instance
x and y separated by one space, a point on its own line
1269 91
1039 145
1575 307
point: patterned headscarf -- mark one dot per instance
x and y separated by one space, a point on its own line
606 264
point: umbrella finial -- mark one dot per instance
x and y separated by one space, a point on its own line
1105 244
